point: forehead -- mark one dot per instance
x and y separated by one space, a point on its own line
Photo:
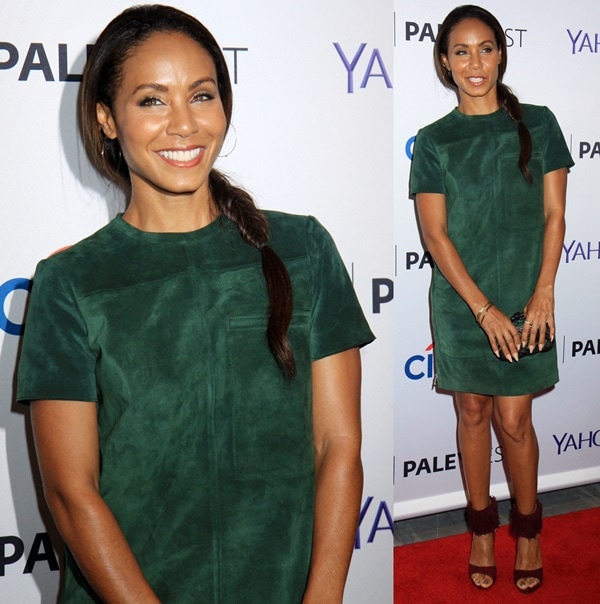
469 31
172 52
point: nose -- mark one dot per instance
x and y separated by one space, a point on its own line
182 122
474 60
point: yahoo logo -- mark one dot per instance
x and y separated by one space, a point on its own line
375 67
11 328
380 520
584 42
581 250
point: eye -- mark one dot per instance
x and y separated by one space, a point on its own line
150 101
487 49
461 52
201 97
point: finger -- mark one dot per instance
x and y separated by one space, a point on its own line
552 327
534 338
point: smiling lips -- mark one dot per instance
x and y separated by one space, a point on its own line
182 157
476 80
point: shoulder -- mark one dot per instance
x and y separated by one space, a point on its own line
439 126
295 233
81 262
537 114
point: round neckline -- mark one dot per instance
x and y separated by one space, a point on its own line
477 116
129 230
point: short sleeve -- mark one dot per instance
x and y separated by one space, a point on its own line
338 322
556 153
56 361
426 175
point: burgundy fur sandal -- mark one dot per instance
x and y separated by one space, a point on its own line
527 526
483 522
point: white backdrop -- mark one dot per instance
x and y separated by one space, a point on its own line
313 106
553 54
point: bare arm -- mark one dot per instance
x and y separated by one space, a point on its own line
66 440
339 478
501 333
540 308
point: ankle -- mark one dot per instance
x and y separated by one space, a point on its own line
527 526
485 521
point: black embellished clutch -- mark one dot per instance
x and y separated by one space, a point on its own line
518 320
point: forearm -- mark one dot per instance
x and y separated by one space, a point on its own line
339 480
97 543
554 235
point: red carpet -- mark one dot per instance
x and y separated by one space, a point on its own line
435 572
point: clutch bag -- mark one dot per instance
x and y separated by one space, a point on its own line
518 320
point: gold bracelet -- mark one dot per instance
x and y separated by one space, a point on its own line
482 312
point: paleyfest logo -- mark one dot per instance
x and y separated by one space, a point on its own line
54 61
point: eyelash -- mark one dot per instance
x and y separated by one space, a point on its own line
152 101
461 53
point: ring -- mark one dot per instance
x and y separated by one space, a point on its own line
528 322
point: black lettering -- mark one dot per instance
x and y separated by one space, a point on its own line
378 297
42 65
41 549
13 55
18 549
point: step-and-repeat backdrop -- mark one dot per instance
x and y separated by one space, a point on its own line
553 56
313 107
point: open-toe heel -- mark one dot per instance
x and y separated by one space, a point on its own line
483 522
528 526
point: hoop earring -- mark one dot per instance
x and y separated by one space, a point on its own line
231 127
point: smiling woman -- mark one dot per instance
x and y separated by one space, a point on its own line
169 120
193 367
490 186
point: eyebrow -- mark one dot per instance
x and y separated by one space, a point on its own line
480 44
163 88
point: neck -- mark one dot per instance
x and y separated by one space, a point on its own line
478 106
175 214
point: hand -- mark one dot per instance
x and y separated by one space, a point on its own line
539 313
502 334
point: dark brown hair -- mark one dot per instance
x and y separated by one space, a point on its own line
101 80
506 97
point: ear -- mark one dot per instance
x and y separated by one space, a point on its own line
106 121
499 56
445 63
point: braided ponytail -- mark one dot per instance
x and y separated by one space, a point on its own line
237 205
512 106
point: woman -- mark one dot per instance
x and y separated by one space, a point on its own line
193 366
490 182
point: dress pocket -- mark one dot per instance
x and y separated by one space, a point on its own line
272 416
522 201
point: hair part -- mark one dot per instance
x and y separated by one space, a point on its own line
102 77
506 98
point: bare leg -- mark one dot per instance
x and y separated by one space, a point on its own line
475 440
513 417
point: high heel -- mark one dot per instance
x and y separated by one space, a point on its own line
483 522
527 526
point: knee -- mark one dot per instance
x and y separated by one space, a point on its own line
517 427
474 411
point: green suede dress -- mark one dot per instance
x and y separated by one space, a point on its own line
206 450
496 222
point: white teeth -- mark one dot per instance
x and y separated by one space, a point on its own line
476 80
181 156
